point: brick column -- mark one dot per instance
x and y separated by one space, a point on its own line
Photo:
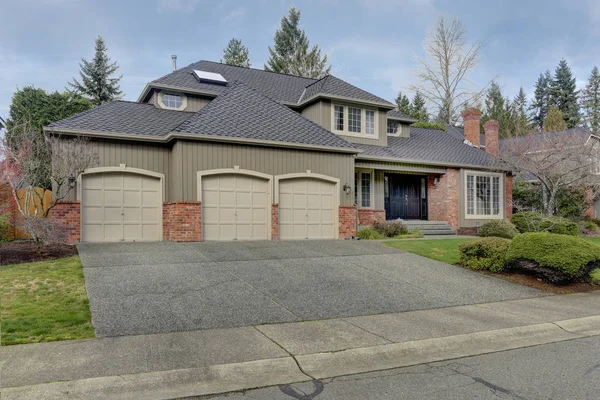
68 213
347 222
443 197
275 222
472 130
589 198
491 128
182 221
508 199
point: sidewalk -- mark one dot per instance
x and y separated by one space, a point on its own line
183 364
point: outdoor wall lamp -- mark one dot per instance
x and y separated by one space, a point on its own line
436 180
71 182
347 189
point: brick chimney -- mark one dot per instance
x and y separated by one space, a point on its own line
491 136
471 121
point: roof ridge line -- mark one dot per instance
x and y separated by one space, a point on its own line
253 69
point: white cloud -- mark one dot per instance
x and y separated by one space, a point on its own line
234 16
177 5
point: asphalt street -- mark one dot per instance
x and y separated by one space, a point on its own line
564 370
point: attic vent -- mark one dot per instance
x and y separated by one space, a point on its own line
209 77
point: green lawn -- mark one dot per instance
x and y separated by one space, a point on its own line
44 301
445 250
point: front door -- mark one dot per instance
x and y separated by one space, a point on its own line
405 196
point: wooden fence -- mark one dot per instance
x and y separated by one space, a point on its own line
8 204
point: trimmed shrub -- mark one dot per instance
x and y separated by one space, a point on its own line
590 226
558 259
535 222
412 234
484 254
369 234
500 228
390 228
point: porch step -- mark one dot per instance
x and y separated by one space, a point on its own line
429 228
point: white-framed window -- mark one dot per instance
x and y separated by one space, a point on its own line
484 195
392 127
363 188
172 101
354 121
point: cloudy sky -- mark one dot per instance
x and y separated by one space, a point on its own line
370 43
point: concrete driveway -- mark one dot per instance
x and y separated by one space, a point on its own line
139 288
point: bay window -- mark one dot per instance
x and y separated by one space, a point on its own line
483 195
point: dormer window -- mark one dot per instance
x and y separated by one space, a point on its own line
392 127
172 101
354 121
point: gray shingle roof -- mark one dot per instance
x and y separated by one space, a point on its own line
330 85
395 114
242 112
279 87
574 133
124 117
431 145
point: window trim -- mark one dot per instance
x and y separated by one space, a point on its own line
363 121
163 106
358 187
501 195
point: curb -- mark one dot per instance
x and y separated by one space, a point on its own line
285 370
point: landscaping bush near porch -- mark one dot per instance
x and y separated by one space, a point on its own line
484 254
536 222
559 259
500 228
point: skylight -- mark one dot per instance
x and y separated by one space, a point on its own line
210 77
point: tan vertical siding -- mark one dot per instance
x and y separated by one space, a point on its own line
152 99
404 130
196 103
314 112
201 156
148 156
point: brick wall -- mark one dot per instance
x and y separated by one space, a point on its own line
590 202
508 198
275 222
347 222
442 202
68 213
182 221
368 217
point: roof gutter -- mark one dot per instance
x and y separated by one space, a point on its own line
193 136
436 163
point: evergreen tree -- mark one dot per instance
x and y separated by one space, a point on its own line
290 53
499 108
38 108
554 120
96 81
403 104
418 110
563 93
590 102
520 118
236 54
541 100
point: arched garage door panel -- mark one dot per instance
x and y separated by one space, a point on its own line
121 206
307 209
235 207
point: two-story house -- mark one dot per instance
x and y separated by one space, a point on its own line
218 152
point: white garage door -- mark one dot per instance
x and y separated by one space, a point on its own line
307 209
120 206
235 207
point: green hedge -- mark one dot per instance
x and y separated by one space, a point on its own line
391 228
556 258
369 234
500 228
536 222
484 254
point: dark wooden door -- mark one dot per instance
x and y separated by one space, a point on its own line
405 197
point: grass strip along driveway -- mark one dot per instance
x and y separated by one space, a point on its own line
446 250
44 301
